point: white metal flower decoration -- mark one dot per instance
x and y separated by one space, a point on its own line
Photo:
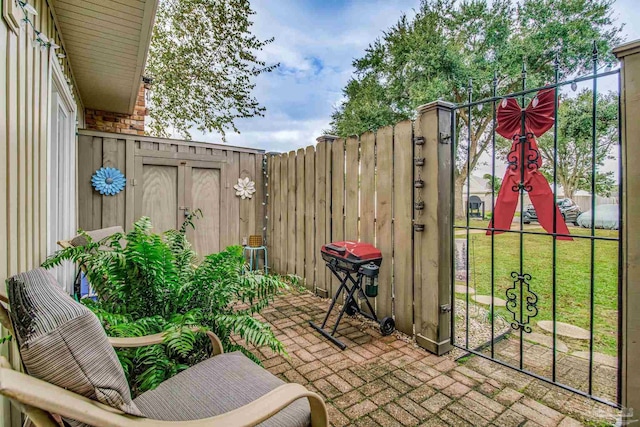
245 188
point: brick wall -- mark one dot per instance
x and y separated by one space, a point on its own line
107 121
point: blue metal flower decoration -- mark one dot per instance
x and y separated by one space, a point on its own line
108 181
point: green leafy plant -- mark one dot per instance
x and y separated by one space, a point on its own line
204 61
434 52
155 283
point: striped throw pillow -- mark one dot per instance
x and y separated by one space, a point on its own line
62 342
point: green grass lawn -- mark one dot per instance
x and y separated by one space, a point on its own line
573 268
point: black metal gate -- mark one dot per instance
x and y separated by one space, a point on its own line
530 276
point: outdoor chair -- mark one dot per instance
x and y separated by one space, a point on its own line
96 236
74 373
81 240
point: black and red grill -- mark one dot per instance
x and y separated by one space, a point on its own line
356 265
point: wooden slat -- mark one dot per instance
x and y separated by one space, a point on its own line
327 223
85 190
284 213
188 144
275 191
28 160
254 228
367 192
13 46
321 213
47 27
352 181
21 164
247 215
402 226
233 201
309 225
259 202
291 209
300 213
139 168
177 153
38 138
4 116
184 182
224 200
337 198
95 196
270 209
113 206
384 200
367 187
130 188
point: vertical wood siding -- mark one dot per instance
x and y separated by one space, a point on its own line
24 125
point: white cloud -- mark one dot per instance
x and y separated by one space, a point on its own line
315 43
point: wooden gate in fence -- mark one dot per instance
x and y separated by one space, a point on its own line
364 189
168 178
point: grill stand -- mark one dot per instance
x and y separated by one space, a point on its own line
387 325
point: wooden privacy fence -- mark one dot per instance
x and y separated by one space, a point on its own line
168 178
362 189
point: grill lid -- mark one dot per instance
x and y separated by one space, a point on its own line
352 251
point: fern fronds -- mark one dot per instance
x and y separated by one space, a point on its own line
152 285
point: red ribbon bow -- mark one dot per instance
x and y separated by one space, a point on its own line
538 118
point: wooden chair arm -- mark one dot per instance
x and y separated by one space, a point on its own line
42 396
132 342
64 244
265 407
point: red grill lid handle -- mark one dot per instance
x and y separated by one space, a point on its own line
340 249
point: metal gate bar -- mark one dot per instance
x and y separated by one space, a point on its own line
521 318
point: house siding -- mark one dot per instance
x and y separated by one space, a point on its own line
24 123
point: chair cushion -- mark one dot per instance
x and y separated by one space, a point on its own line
215 386
62 342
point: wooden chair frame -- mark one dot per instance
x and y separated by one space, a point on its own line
39 399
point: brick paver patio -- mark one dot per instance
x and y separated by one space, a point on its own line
388 381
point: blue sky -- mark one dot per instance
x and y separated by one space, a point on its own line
315 43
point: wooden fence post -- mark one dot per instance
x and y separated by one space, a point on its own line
629 54
432 246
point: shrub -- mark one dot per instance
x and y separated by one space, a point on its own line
157 284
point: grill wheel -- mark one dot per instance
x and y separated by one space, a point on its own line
387 326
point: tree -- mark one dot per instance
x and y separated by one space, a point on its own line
203 63
494 182
448 43
574 156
